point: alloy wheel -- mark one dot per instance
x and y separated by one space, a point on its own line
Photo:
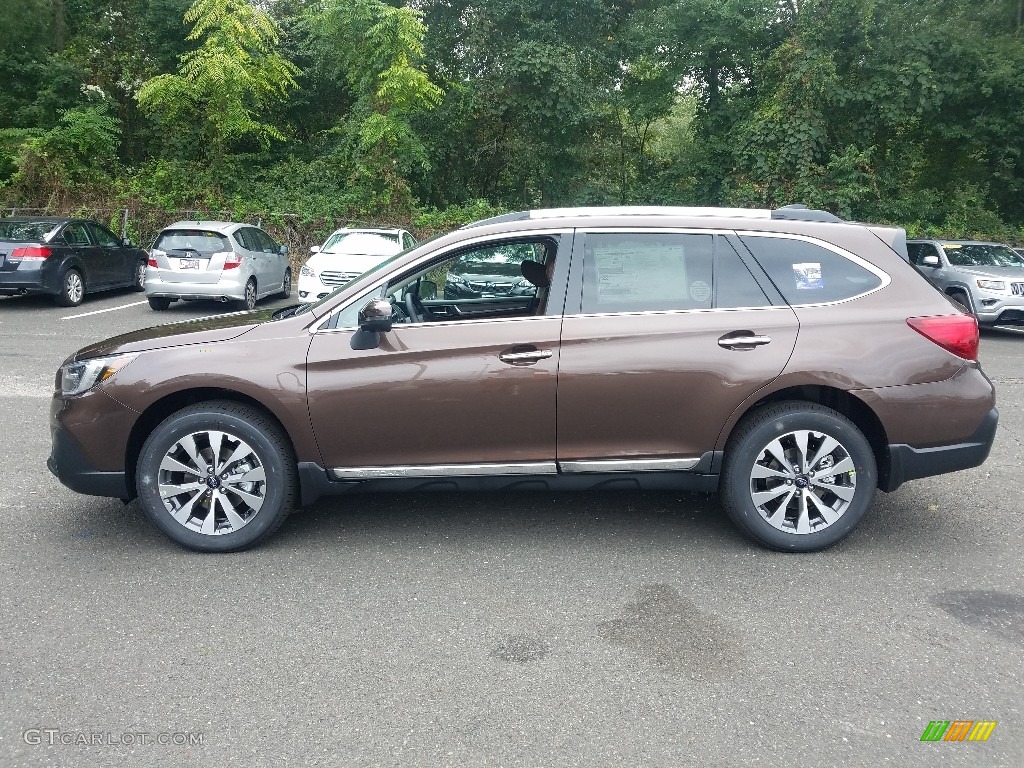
803 481
212 482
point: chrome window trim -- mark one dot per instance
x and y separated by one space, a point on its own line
647 312
451 247
444 470
628 465
863 263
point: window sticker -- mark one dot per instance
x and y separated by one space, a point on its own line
808 276
700 291
644 272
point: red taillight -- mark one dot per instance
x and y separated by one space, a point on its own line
151 262
32 253
954 333
232 260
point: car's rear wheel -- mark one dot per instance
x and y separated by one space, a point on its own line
72 289
249 297
286 287
139 282
217 477
798 476
159 304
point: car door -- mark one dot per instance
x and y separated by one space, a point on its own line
120 260
252 255
668 334
275 264
465 396
96 262
935 273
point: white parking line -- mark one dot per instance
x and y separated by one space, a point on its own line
99 311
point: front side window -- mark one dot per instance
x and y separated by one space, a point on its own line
75 234
103 236
807 273
917 252
647 272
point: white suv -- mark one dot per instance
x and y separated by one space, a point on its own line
346 255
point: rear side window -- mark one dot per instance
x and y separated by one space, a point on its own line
806 273
647 272
734 285
199 240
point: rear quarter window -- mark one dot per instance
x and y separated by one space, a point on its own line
807 273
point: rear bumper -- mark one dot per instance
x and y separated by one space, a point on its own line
909 463
27 281
222 289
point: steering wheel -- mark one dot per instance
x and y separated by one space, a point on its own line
414 306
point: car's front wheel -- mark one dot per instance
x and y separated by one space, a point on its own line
798 476
158 303
286 287
217 477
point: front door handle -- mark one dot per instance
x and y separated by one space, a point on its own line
743 340
524 355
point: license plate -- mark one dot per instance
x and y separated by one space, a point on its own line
188 263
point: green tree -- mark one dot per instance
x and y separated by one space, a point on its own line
234 75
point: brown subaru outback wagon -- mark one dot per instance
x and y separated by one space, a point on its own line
789 360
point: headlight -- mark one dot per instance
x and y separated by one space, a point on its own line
992 285
76 378
307 271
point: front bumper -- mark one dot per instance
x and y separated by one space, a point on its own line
69 465
999 309
311 289
909 463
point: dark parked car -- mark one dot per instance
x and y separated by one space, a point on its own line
791 361
66 258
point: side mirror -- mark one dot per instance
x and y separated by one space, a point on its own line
374 319
375 316
127 242
314 249
283 250
930 261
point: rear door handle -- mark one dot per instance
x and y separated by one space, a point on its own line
525 356
743 340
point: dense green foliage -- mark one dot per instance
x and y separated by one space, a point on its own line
440 111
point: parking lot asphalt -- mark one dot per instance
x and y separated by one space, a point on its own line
498 629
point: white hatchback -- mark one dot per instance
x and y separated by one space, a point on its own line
346 255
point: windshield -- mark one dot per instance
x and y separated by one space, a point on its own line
363 243
200 240
981 255
25 231
376 268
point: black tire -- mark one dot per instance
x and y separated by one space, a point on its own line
258 448
787 422
286 288
72 289
159 304
139 278
248 302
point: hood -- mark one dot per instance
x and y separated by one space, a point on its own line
1014 274
206 330
344 262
